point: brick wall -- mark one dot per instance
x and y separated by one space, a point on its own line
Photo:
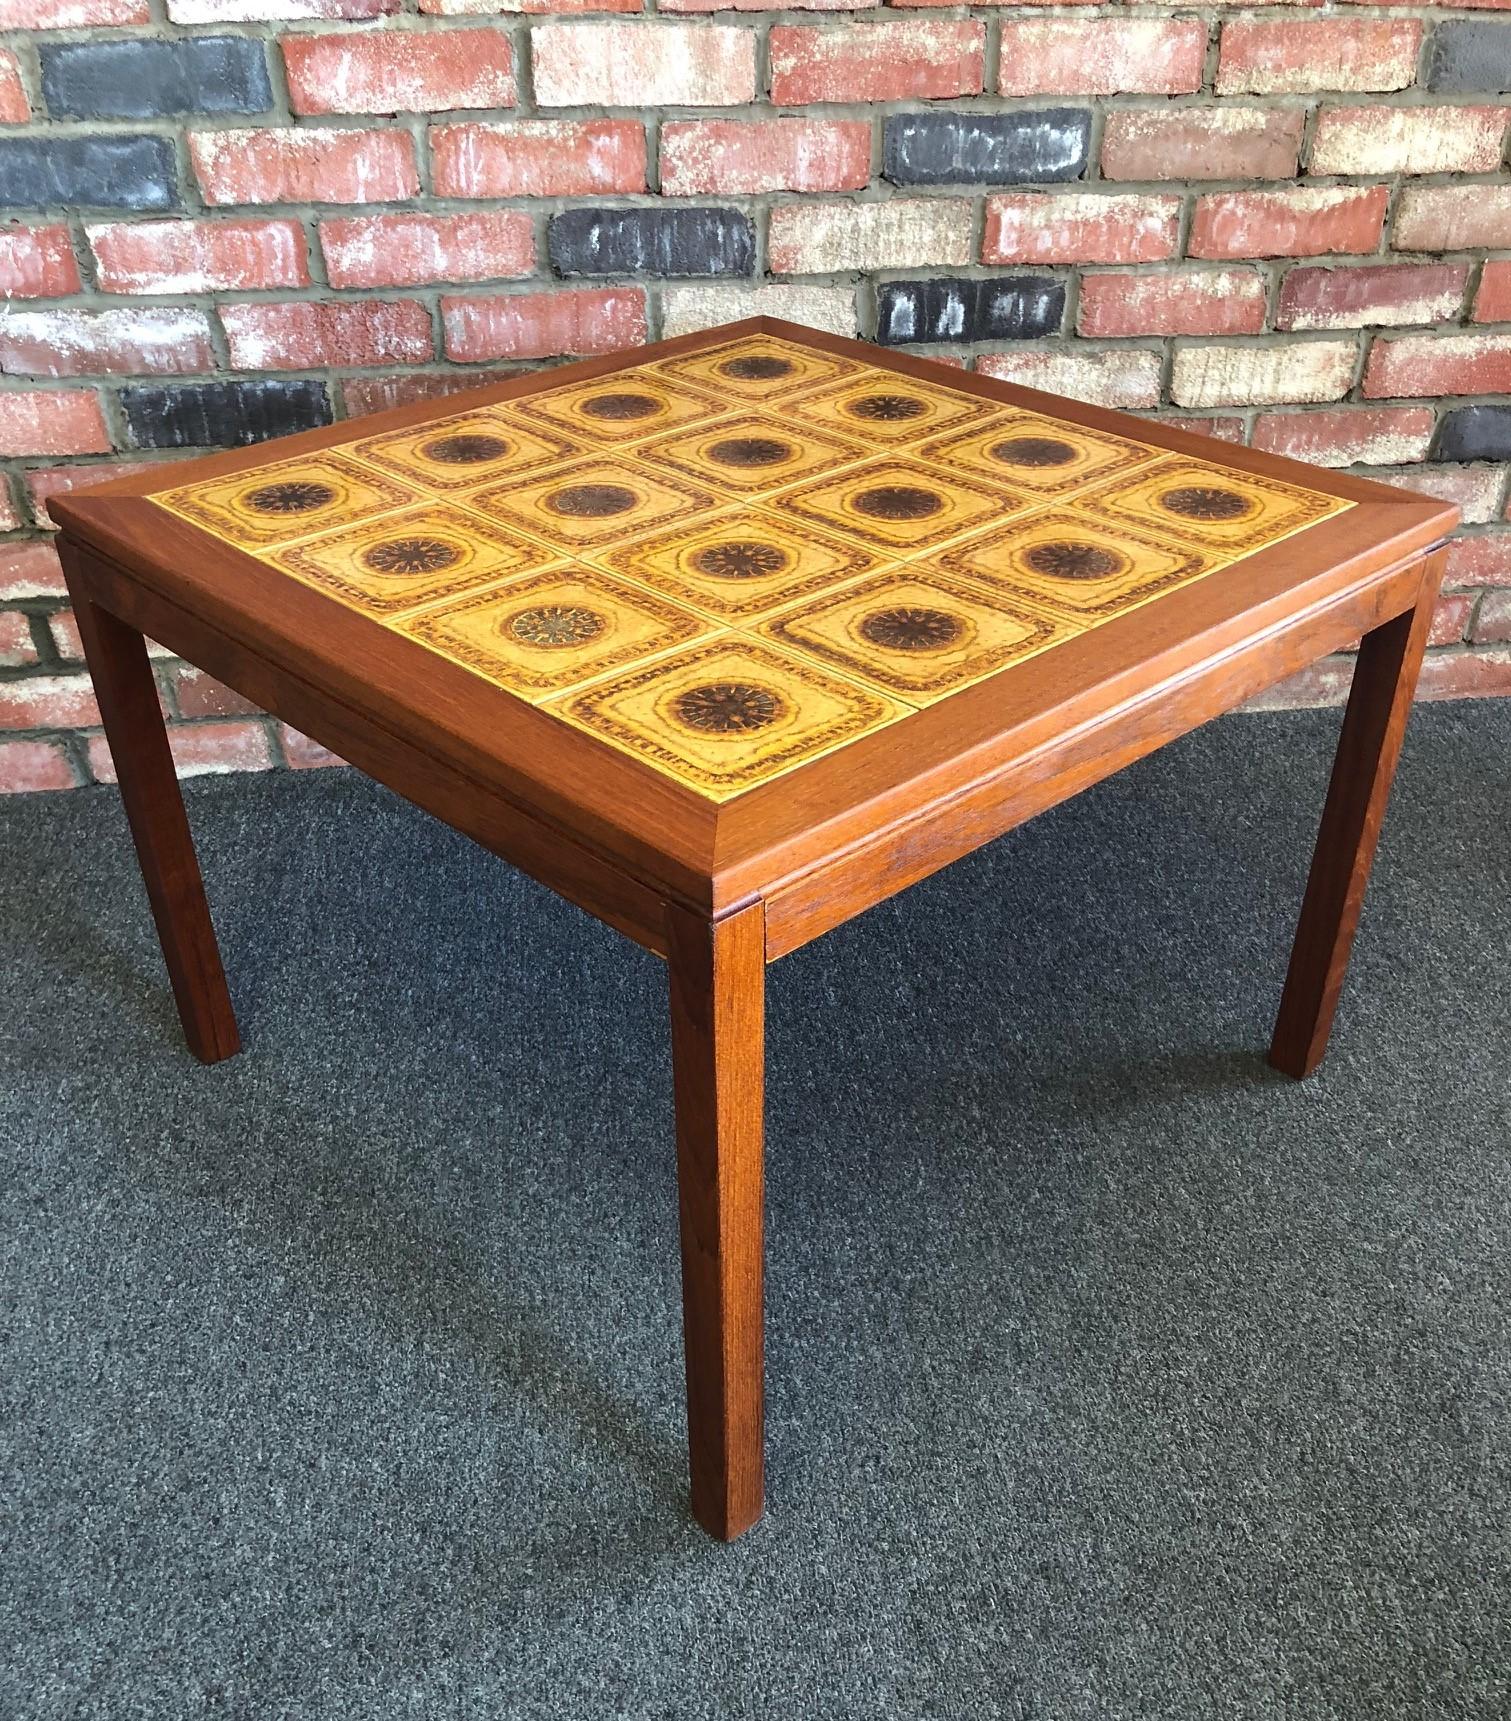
226 219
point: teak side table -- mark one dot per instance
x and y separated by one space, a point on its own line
726 640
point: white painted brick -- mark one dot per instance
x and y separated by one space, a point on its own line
1243 375
1123 377
642 65
684 309
902 233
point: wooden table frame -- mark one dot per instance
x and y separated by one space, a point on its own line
721 890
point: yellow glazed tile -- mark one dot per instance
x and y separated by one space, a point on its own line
740 563
550 631
749 453
622 407
463 452
413 557
727 714
881 406
915 631
286 499
1044 455
899 503
1076 565
595 501
759 370
1199 502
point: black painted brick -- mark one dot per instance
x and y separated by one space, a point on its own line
652 241
143 79
1470 55
221 414
110 171
1475 433
1010 308
1031 147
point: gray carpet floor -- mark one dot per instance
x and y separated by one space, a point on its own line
1110 1375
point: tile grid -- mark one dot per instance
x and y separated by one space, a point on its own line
802 671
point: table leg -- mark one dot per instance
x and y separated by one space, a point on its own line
718 990
123 682
1374 723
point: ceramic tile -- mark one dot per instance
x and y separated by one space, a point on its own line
740 563
914 631
1043 455
286 499
543 633
750 453
1074 564
728 713
465 452
901 504
597 501
622 407
1218 507
881 407
415 556
760 370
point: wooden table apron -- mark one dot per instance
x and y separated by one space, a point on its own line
722 890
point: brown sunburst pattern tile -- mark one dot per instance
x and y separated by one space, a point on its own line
901 504
464 452
623 407
596 501
728 713
286 499
1200 502
882 407
750 453
415 556
760 370
1042 455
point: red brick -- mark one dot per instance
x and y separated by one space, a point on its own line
304 166
909 59
1492 626
642 65
544 325
1408 140
1299 56
258 11
1122 377
1453 218
1300 221
1104 56
198 256
410 250
364 394
16 647
557 8
29 766
304 334
724 157
303 754
1492 301
129 340
1465 675
1080 227
52 421
15 109
29 569
199 749
1483 559
1389 294
199 695
399 71
1202 143
48 702
36 263
1450 618
538 158
71 14
1348 435
44 482
1474 490
1453 364
1187 302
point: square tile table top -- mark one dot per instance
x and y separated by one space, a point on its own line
694 601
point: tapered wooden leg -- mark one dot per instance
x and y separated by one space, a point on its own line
117 657
718 991
1374 724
